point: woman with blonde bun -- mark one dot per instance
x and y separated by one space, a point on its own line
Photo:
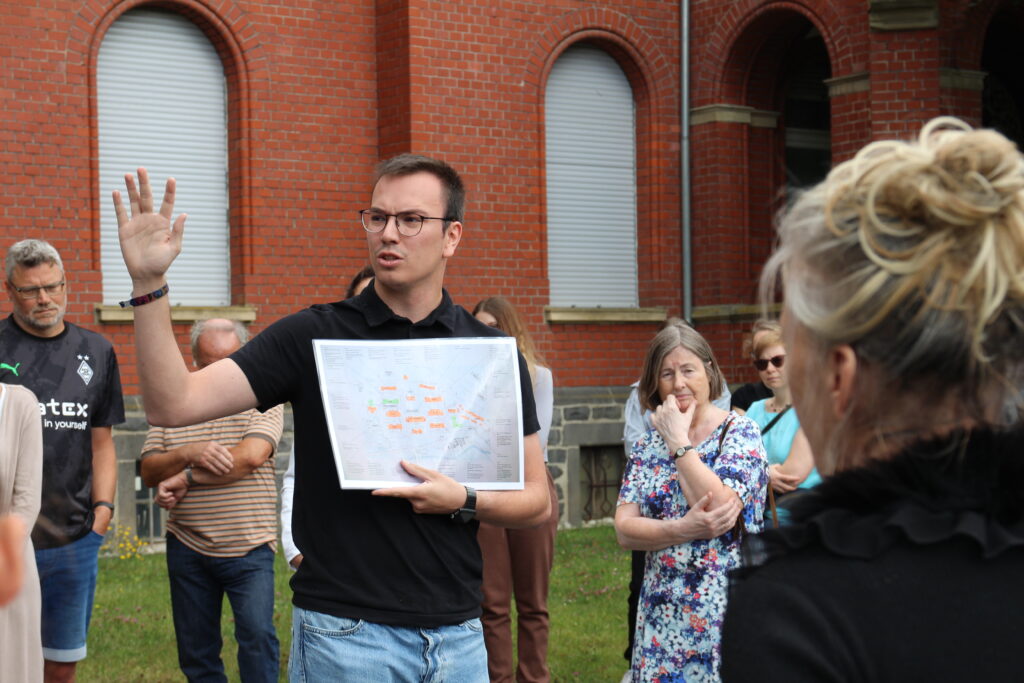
903 279
518 561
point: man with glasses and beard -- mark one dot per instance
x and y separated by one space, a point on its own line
74 375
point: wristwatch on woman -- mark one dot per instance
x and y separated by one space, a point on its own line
680 452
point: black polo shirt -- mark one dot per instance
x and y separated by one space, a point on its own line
366 557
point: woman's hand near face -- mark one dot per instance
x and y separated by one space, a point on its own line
672 423
701 522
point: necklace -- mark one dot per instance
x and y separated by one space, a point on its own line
775 407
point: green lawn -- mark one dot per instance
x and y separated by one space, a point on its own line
132 636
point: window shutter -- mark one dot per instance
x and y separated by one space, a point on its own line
590 135
162 105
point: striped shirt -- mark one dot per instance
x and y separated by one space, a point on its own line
225 520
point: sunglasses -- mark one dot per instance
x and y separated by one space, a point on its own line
762 363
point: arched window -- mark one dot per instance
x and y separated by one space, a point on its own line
806 113
162 104
590 132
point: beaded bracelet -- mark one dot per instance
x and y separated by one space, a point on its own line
146 298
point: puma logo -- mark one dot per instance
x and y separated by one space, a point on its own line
12 368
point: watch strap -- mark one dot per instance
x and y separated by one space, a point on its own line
468 510
680 452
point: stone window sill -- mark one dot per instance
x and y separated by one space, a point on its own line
558 314
180 314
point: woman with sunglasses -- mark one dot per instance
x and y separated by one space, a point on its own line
790 464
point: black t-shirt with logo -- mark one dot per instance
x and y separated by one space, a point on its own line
366 557
76 380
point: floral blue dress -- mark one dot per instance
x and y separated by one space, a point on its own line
682 602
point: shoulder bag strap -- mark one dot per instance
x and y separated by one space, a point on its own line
771 493
740 528
774 420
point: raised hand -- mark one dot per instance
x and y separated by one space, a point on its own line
149 241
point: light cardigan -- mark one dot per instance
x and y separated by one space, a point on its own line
21 481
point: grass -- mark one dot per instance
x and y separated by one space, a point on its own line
132 636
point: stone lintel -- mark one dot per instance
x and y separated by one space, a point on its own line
733 113
848 84
732 312
961 79
903 15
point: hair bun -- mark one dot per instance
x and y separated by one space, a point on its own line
981 170
914 253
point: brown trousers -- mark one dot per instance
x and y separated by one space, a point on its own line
518 560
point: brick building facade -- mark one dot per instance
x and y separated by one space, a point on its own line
318 91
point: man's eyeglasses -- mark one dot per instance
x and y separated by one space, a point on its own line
28 293
409 224
762 363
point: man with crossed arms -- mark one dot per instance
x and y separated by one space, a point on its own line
389 585
217 478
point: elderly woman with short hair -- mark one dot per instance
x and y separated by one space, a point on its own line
686 483
903 275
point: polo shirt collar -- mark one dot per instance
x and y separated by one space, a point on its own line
377 313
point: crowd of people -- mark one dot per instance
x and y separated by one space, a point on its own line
821 524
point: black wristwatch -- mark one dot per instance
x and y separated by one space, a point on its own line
680 452
468 510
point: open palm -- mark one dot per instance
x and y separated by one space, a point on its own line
149 240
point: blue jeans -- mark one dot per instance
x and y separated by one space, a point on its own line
326 648
198 584
67 580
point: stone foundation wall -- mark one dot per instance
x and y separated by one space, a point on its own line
584 417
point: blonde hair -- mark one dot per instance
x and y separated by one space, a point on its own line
913 254
511 324
769 335
768 330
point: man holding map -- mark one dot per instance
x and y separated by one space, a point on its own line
396 571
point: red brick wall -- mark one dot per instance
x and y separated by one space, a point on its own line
320 91
737 51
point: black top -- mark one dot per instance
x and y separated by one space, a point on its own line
904 570
76 380
366 557
748 393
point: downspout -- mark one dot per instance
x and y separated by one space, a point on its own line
684 159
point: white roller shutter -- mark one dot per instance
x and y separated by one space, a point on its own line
162 105
591 181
